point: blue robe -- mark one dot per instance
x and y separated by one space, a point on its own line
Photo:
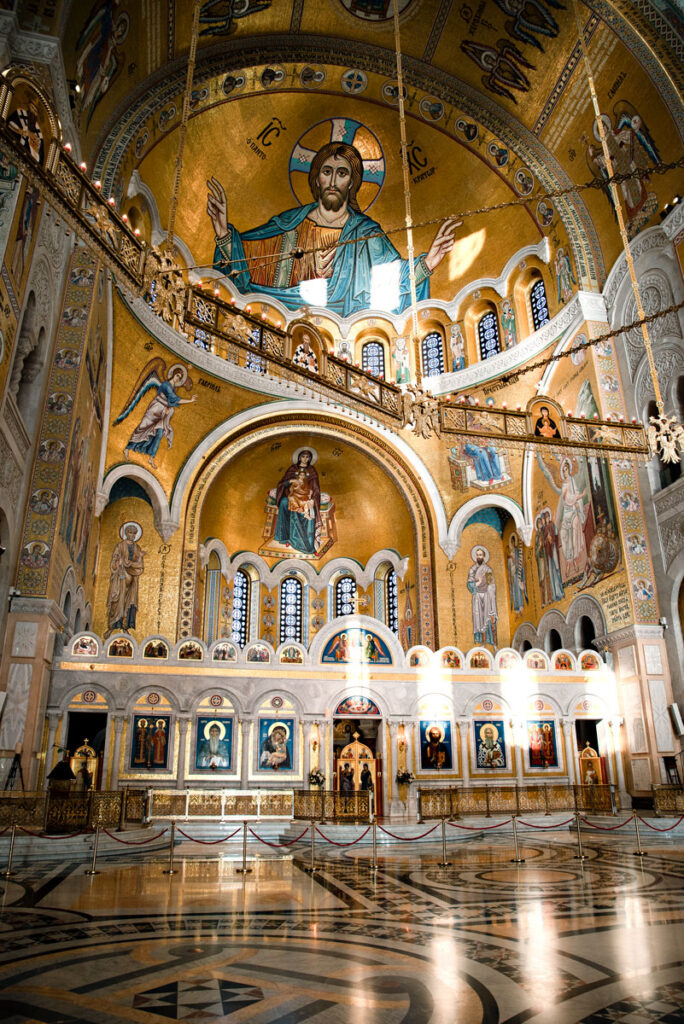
349 288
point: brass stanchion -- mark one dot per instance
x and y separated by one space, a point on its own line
517 859
7 873
171 870
580 853
91 870
244 870
445 862
312 866
374 866
638 852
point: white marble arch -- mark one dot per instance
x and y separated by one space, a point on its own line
364 575
236 707
595 698
264 690
135 650
72 691
291 643
186 640
563 650
67 655
449 649
505 651
464 513
444 696
361 622
420 651
152 488
141 689
537 652
554 619
496 698
353 689
548 698
307 411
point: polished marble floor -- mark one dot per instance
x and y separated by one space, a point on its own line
550 941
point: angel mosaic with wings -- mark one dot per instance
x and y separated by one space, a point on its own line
156 421
632 150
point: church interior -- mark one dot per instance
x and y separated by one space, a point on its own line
374 491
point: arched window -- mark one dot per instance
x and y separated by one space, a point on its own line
373 358
345 596
553 642
586 632
539 305
488 336
433 354
392 601
241 589
386 591
77 621
212 591
291 600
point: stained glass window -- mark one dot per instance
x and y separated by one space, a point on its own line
392 601
373 358
488 336
291 610
433 354
540 307
345 595
241 585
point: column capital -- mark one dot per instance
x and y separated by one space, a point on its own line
628 634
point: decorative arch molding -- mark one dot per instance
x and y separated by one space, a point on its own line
553 619
266 689
595 698
138 688
149 483
225 692
470 704
360 622
350 689
464 513
393 455
589 606
220 436
70 692
669 360
525 631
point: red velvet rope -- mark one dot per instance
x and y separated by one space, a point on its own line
206 842
481 828
353 842
654 828
561 824
407 839
607 828
135 842
43 835
278 845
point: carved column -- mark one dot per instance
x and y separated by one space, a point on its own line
519 740
617 737
183 732
246 729
117 724
50 752
392 796
463 724
570 753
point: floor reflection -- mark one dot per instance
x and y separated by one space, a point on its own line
553 939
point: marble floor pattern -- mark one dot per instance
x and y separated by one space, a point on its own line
550 941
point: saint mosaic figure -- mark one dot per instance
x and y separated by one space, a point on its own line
435 753
213 750
571 515
298 501
126 568
156 421
275 750
482 586
517 582
311 239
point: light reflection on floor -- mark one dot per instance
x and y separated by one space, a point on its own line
553 940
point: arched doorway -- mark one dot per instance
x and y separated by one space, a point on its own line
357 758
